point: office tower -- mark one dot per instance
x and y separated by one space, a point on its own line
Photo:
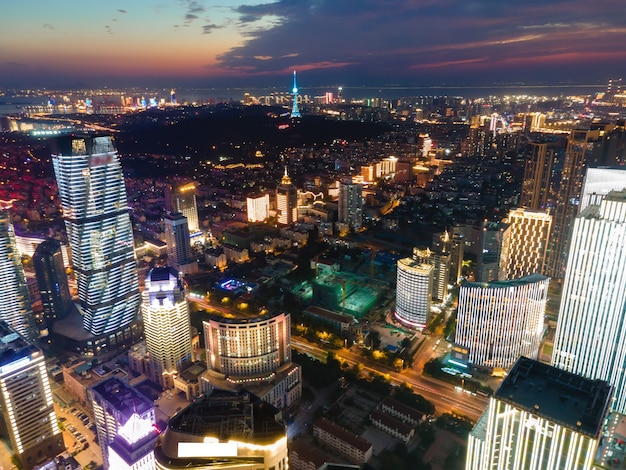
454 246
350 204
258 207
16 308
598 182
441 263
166 325
52 281
295 112
255 353
537 175
497 322
524 243
484 241
179 254
414 282
540 418
95 210
182 198
584 148
226 431
287 201
27 417
592 326
125 424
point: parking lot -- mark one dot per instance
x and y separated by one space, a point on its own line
79 434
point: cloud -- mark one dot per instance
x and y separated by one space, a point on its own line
208 28
190 17
48 26
122 11
108 30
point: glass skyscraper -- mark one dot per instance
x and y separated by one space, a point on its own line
95 210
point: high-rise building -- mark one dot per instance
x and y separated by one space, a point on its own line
585 147
95 210
350 204
454 246
258 207
537 175
166 325
125 424
441 262
52 281
254 353
592 326
414 282
497 322
27 417
182 198
287 201
16 307
179 254
484 241
224 430
524 243
540 418
598 182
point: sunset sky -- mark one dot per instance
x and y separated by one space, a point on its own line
352 42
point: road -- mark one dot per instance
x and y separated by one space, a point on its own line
443 395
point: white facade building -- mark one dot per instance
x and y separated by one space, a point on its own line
258 208
414 281
497 322
592 326
166 325
540 418
95 210
524 243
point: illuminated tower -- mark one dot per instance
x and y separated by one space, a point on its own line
27 417
540 418
95 210
414 291
287 201
166 325
524 244
295 113
182 199
16 309
125 424
592 326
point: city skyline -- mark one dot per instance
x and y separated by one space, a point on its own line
232 43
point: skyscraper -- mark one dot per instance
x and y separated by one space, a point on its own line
166 325
27 417
350 204
592 326
182 198
441 263
224 430
16 308
125 424
52 281
95 210
454 247
537 175
598 182
179 254
524 243
540 418
287 201
414 282
497 322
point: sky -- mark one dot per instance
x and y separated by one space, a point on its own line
71 43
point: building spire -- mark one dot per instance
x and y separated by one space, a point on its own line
295 112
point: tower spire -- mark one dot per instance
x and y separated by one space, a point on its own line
295 113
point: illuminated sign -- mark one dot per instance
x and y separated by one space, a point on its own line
207 449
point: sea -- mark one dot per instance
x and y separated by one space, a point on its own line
12 103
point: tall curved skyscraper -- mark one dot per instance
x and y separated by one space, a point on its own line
95 210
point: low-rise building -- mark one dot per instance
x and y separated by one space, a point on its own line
352 447
392 426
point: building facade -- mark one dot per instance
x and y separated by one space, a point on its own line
167 326
524 244
179 253
27 417
441 262
16 306
95 210
590 332
497 322
414 281
350 204
537 175
258 207
182 198
540 418
287 201
125 424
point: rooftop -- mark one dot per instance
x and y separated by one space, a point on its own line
13 347
556 395
122 396
522 281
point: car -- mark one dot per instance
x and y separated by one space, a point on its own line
62 418
82 440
